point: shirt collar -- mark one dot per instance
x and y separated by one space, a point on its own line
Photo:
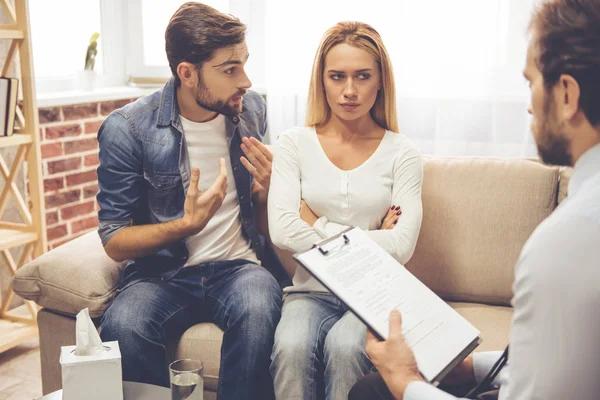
586 167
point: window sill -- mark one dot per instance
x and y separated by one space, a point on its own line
69 97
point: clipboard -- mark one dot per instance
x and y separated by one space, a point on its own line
337 244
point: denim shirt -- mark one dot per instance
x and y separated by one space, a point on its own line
144 171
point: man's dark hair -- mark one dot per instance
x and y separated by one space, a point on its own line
196 31
567 34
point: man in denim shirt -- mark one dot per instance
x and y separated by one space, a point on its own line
192 240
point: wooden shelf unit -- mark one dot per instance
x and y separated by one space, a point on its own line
16 139
20 324
11 33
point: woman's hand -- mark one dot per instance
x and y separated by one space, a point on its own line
306 214
391 218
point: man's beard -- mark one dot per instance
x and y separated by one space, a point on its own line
206 100
552 144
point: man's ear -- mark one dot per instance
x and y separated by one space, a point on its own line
188 74
569 93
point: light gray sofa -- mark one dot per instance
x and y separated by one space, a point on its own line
478 213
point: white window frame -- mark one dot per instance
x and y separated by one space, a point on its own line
135 44
113 50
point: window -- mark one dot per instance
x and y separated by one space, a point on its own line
457 67
60 39
131 43
147 20
55 43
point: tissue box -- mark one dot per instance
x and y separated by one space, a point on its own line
93 377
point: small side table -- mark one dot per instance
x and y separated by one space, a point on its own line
131 391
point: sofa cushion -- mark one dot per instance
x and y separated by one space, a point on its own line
200 342
477 215
203 341
492 321
76 275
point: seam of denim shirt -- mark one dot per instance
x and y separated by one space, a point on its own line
108 229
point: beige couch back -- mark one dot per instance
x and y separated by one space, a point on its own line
477 215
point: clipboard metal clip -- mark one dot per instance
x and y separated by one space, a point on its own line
326 251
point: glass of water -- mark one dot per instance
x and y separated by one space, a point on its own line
187 380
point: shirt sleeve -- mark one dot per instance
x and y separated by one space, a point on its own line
482 364
288 231
120 176
401 240
425 391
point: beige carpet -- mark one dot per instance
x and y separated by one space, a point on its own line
20 372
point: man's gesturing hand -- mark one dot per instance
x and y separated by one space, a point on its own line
199 207
259 162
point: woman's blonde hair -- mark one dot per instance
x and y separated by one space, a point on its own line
365 37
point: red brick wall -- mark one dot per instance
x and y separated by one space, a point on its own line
69 161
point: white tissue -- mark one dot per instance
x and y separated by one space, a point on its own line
87 338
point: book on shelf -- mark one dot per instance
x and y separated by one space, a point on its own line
9 90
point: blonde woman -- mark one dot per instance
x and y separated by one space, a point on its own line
347 166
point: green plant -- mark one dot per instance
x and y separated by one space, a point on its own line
92 50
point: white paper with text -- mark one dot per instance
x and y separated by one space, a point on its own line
372 283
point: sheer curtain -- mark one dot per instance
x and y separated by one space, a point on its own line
458 68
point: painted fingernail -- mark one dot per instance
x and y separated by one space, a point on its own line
396 221
399 212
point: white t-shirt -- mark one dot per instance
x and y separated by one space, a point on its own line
359 197
222 238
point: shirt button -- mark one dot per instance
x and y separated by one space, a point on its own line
235 119
242 197
235 169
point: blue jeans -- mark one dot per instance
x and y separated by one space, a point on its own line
242 298
319 349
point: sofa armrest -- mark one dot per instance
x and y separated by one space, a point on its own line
71 277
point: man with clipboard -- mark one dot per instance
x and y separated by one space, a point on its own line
555 329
